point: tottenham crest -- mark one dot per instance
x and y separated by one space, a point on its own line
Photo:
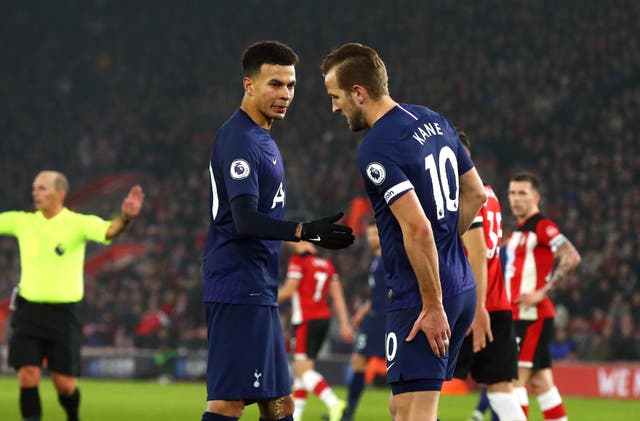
240 169
376 172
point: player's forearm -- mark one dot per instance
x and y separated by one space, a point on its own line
249 222
423 256
339 303
473 241
472 197
286 291
117 227
568 259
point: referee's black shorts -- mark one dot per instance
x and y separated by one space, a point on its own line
498 362
51 331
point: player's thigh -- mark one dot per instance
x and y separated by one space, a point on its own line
422 405
498 362
247 359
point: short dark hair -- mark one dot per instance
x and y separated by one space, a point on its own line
357 64
266 52
464 139
530 177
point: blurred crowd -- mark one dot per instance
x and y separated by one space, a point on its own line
550 87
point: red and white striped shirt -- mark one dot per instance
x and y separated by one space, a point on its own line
309 301
530 259
490 217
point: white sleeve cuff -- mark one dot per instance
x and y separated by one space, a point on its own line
396 190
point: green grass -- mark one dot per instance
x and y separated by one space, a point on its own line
140 401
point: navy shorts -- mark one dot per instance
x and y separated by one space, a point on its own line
412 366
247 358
369 340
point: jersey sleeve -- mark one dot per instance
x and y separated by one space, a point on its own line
478 221
382 173
240 161
294 268
94 228
549 234
9 222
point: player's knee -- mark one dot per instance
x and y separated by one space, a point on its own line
358 362
233 409
283 407
540 383
65 385
29 376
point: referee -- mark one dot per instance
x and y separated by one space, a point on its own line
47 321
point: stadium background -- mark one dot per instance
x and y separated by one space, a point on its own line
112 92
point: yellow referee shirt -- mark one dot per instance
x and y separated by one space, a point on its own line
52 252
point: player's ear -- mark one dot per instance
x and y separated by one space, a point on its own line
247 84
358 93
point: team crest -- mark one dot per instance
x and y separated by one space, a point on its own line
240 169
552 231
376 172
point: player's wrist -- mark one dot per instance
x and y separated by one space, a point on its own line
298 232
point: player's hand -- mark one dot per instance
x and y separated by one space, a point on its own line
530 299
325 233
481 328
132 204
346 333
435 325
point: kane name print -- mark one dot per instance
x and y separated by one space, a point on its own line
430 129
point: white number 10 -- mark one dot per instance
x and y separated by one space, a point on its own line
440 180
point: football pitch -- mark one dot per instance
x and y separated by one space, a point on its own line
104 400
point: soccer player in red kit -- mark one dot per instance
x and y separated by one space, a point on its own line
532 249
310 279
490 353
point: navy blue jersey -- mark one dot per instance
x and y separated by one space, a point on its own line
245 160
378 286
413 147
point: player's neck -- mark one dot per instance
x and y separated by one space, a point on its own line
256 116
378 109
50 213
528 215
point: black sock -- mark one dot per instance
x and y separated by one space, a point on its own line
30 403
70 404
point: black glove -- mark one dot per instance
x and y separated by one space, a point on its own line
324 233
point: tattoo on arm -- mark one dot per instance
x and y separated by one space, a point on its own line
568 259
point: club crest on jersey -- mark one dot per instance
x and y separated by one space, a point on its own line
552 231
240 169
376 172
